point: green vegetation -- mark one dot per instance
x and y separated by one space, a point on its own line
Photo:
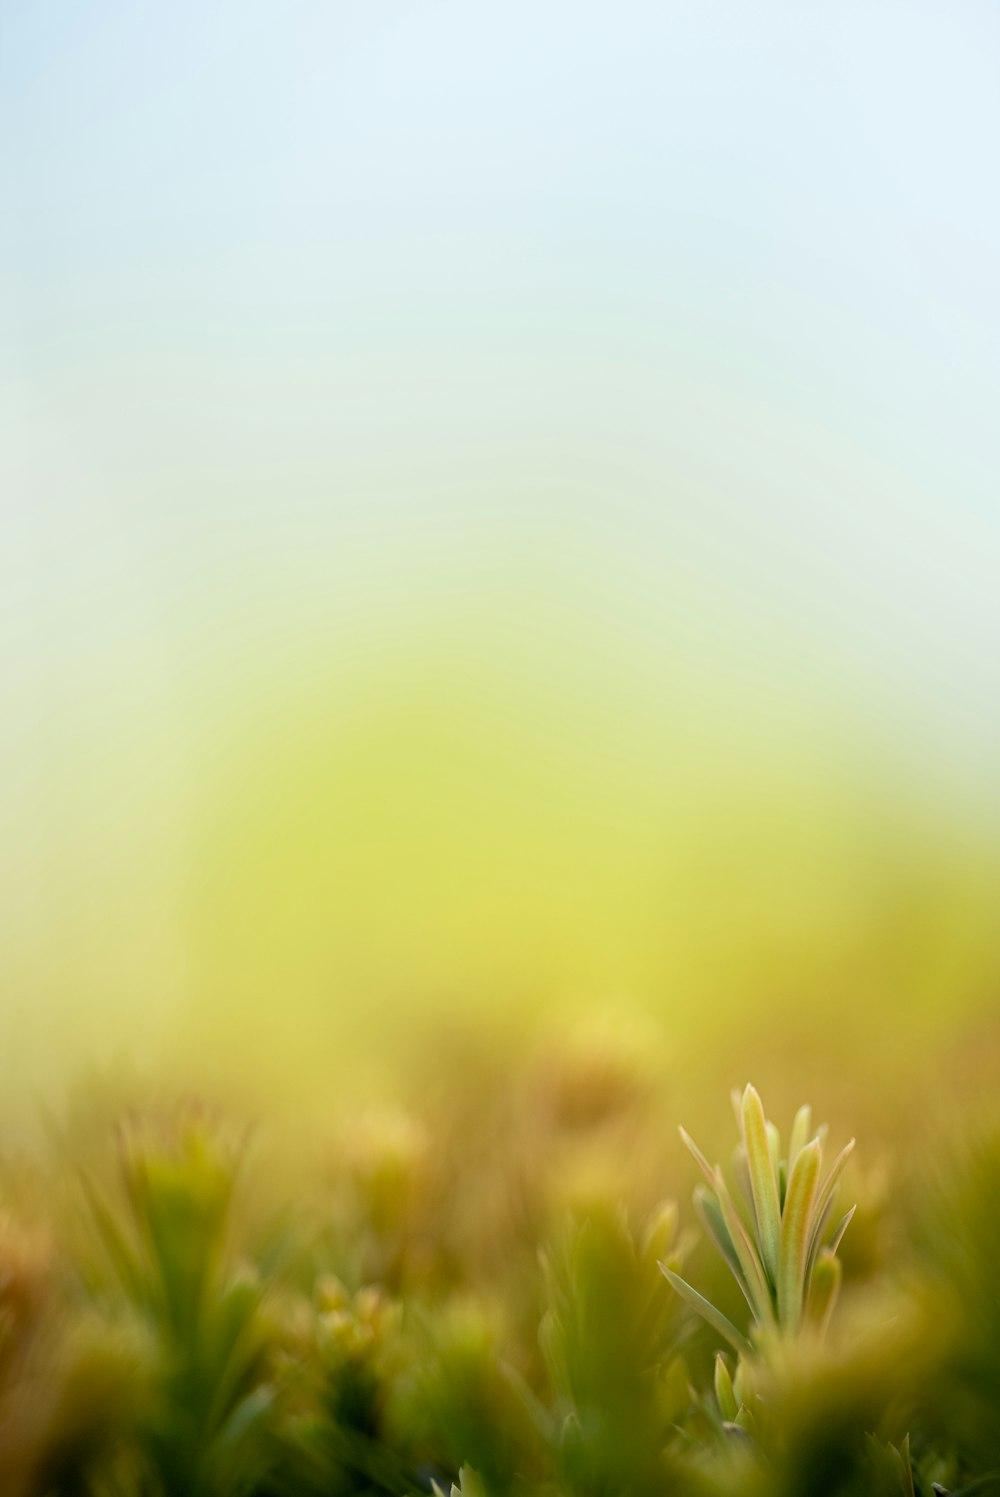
497 1290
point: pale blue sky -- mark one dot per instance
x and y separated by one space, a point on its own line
318 312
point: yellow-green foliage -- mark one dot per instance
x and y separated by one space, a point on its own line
464 1293
770 1225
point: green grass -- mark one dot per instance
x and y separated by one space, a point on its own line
500 1288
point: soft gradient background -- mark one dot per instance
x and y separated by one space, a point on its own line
499 515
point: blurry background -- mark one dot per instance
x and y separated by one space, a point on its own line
499 519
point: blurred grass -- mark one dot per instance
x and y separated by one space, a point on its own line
198 1300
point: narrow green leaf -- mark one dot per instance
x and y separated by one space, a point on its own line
840 1229
799 1136
753 1272
710 1216
825 1289
746 1421
824 1199
725 1397
707 1311
698 1156
795 1234
817 1231
907 1467
763 1181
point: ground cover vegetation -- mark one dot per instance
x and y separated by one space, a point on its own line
520 1284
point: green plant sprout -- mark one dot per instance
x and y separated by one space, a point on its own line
167 1260
770 1227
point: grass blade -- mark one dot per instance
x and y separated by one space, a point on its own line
825 1198
799 1136
707 1311
698 1156
724 1395
795 1225
825 1289
763 1181
752 1268
710 1216
840 1229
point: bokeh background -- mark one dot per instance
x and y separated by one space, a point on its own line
499 523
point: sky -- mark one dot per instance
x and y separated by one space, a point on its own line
630 369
